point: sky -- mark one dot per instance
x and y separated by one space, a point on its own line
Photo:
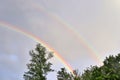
84 32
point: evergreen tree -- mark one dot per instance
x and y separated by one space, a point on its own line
39 65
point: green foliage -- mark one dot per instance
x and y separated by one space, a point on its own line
109 71
39 66
111 67
64 75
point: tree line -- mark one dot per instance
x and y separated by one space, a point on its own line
40 66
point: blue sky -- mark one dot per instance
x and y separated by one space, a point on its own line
97 21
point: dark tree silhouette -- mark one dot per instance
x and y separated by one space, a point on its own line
39 65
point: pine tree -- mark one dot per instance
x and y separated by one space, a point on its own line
39 65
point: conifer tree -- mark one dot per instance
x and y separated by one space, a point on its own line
39 65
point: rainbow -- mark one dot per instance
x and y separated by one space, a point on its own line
35 38
70 28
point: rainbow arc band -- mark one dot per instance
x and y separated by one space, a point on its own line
35 38
71 29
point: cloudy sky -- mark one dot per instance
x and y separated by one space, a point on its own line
84 32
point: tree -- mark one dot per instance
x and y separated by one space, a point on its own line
92 73
76 75
111 67
64 75
39 65
109 71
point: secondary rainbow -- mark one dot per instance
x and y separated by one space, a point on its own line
69 27
35 38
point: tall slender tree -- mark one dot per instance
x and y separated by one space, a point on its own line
39 65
